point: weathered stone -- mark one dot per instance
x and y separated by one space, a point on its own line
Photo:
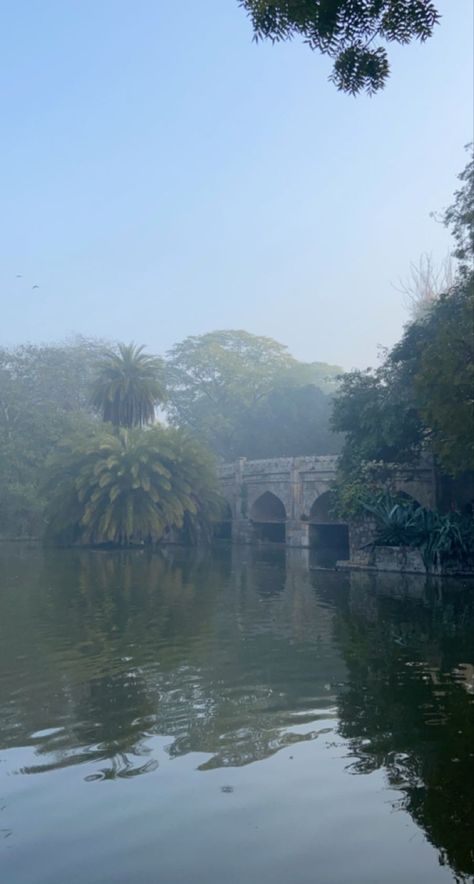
297 494
399 558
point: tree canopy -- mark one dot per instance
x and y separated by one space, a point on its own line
459 217
422 396
241 394
129 486
44 393
445 380
351 33
290 421
128 386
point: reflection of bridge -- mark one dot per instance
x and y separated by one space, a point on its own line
289 499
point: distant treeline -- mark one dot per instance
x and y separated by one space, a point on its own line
236 393
231 394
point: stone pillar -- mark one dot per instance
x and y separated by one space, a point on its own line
242 531
239 499
297 533
296 492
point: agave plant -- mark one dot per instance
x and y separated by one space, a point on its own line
439 536
128 386
129 487
396 521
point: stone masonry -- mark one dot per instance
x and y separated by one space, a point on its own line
296 492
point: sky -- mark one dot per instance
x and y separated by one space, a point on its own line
162 176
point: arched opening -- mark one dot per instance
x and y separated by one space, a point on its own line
328 536
322 510
223 528
407 498
268 516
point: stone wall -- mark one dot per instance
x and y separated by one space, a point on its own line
298 483
361 535
399 558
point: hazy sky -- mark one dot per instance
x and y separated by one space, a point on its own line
162 176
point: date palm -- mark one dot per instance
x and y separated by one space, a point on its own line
128 386
127 487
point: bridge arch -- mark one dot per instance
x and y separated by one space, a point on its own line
321 511
327 533
268 508
408 498
268 516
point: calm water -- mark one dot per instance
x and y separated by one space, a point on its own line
235 717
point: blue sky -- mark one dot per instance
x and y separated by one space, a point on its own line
162 176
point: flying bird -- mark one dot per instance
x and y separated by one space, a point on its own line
18 276
35 286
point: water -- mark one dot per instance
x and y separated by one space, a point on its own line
196 718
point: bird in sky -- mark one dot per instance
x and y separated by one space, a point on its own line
36 286
18 276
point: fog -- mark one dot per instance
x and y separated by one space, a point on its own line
165 176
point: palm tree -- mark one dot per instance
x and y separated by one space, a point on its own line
128 487
128 386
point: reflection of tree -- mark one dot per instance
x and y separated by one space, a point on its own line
223 657
231 656
405 707
80 634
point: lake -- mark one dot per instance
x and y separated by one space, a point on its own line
234 715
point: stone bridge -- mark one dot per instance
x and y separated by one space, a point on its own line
289 499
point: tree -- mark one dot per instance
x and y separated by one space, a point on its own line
422 396
426 282
128 386
445 379
377 411
291 421
348 32
224 387
420 399
129 487
310 374
213 378
460 218
44 392
402 660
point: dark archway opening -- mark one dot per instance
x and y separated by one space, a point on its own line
223 529
270 532
268 517
404 497
328 537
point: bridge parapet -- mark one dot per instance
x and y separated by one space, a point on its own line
299 489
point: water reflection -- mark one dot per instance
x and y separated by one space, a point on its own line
238 654
407 704
115 647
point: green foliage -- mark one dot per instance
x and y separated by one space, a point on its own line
440 537
444 382
309 374
244 395
460 218
129 487
128 386
289 422
345 31
43 395
221 365
378 412
358 484
421 397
